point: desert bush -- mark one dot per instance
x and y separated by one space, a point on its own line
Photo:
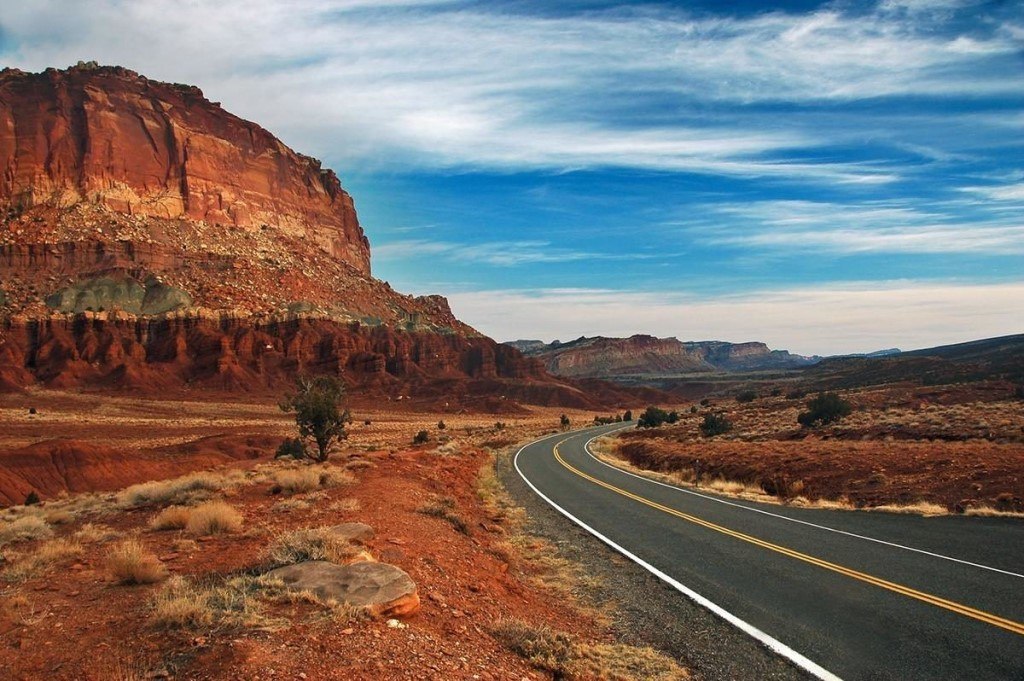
318 405
421 437
796 394
715 424
131 563
32 498
234 603
291 448
776 392
652 418
310 544
171 518
694 409
214 517
705 402
441 425
746 396
499 425
91 533
824 409
47 556
540 646
628 415
25 528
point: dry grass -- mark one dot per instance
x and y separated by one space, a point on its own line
288 505
92 533
47 556
214 517
59 517
131 563
188 489
559 654
234 603
171 518
296 481
444 508
346 505
312 544
925 508
25 528
987 511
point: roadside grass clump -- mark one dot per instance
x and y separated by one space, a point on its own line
130 562
317 543
47 556
171 518
558 653
25 528
444 508
214 517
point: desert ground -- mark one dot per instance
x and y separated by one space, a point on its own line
930 450
158 572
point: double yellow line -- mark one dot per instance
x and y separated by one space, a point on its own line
959 608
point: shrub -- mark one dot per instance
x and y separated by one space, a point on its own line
48 555
214 517
824 409
715 424
776 392
444 508
131 563
796 394
25 529
499 425
563 422
628 416
705 402
291 448
694 409
1019 392
440 425
317 404
421 437
171 518
746 396
673 416
32 498
654 417
185 489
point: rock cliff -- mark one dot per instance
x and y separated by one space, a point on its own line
150 240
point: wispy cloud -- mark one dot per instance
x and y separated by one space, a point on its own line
455 83
833 319
1008 192
837 228
497 253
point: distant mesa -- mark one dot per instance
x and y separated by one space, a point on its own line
642 355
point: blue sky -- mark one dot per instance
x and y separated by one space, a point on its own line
824 176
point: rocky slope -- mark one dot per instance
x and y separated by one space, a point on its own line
149 239
641 355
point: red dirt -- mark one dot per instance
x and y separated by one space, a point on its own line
466 584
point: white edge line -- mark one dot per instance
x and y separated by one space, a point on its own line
772 644
792 520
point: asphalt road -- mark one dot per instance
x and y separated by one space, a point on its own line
844 594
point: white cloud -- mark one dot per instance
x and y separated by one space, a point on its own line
1009 192
450 83
497 253
824 319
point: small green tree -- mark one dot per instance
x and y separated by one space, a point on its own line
652 418
628 416
715 424
824 409
564 422
318 405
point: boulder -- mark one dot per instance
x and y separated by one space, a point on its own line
357 533
382 589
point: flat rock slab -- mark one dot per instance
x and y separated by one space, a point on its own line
383 589
353 532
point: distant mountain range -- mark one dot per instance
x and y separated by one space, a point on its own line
641 355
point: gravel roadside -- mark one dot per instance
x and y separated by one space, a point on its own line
646 611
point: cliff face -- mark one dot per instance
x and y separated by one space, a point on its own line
649 356
110 137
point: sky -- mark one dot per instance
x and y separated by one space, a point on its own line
827 177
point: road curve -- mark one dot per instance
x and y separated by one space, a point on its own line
845 595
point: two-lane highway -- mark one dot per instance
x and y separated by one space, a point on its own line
843 594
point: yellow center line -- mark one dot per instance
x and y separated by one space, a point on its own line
959 608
